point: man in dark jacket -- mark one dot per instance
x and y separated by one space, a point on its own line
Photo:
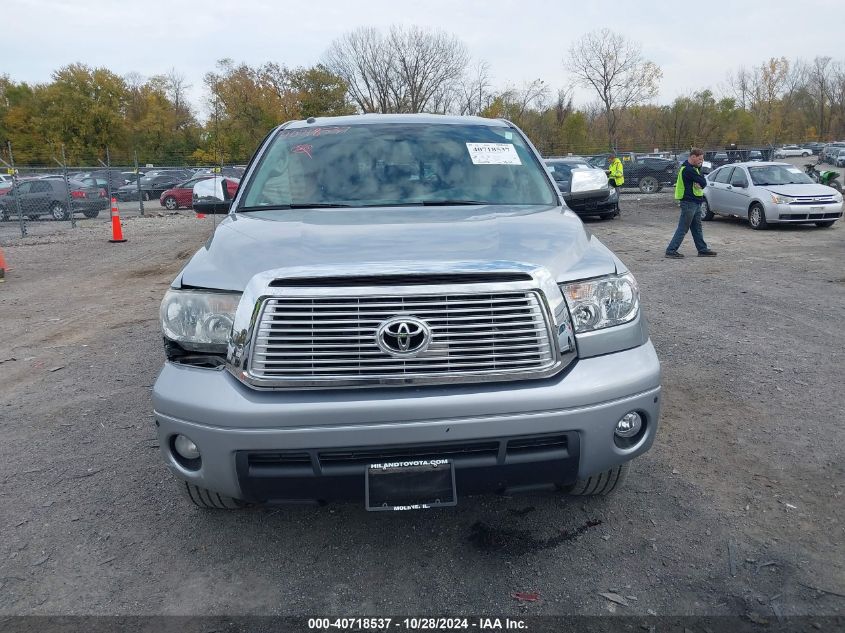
689 191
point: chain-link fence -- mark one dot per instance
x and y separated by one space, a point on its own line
41 200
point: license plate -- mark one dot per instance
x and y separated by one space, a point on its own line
410 485
816 208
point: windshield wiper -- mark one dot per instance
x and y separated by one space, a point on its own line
282 207
428 203
449 203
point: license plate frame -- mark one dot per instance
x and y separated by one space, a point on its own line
410 485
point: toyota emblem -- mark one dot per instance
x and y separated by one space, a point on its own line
403 336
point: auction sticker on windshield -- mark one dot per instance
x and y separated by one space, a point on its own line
493 154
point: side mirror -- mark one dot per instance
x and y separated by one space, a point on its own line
212 196
738 184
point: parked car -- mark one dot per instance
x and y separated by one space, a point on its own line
648 174
104 178
228 172
826 155
792 150
42 196
838 158
182 194
422 321
131 176
584 187
815 147
769 193
151 186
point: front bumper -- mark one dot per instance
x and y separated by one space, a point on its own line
803 213
578 409
587 206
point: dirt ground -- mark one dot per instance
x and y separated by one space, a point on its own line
737 510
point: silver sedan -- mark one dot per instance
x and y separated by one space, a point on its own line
769 193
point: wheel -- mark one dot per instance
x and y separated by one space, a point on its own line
600 484
91 214
170 203
209 500
757 216
826 224
649 184
58 211
706 213
804 154
607 216
146 195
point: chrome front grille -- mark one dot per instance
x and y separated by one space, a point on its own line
333 339
805 200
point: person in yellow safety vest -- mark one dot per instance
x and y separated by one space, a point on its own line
689 192
615 175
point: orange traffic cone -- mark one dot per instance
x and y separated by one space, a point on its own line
2 267
116 230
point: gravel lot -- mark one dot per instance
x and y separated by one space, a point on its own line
737 510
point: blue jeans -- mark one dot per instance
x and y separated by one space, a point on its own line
690 220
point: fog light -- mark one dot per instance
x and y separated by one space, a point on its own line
629 425
186 448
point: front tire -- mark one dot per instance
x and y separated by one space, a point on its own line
170 203
59 212
600 484
209 500
757 217
649 184
804 154
706 213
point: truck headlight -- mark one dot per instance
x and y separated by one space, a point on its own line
601 303
199 320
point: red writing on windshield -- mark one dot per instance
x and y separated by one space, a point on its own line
303 149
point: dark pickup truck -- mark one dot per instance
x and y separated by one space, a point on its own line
645 172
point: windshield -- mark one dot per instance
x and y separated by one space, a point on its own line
397 164
778 175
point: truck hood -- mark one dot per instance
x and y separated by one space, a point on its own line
349 241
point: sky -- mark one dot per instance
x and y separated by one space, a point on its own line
695 44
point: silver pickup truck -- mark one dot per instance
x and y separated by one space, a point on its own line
400 310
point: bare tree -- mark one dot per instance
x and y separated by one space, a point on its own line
614 67
768 84
406 70
563 104
532 95
475 93
820 79
739 86
837 100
